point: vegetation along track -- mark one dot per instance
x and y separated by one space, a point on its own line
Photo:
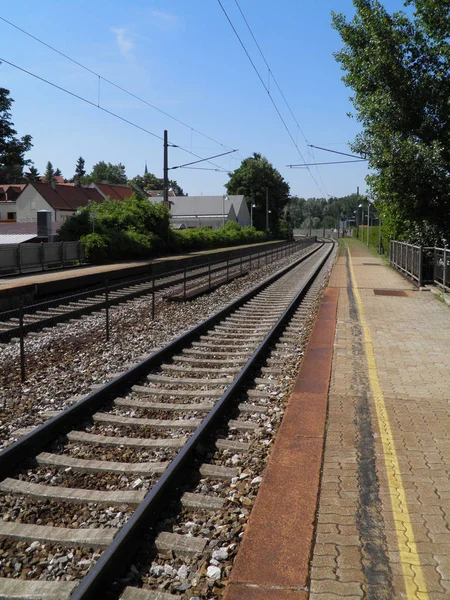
114 465
52 311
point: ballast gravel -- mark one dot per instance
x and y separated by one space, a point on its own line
67 360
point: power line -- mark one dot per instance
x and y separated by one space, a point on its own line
202 160
336 162
100 77
109 112
280 90
268 92
336 152
270 70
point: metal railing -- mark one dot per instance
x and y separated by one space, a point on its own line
28 258
422 264
441 268
17 323
407 259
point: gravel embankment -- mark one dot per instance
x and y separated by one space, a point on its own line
66 360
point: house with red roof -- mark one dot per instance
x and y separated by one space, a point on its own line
8 197
113 191
61 200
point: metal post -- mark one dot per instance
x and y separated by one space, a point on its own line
420 265
368 223
22 344
166 171
41 255
357 212
444 272
379 235
19 258
107 309
153 295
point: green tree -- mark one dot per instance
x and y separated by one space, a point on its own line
297 210
103 171
149 182
58 172
398 69
80 171
33 174
12 148
49 174
252 178
124 229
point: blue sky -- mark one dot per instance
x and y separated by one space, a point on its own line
184 58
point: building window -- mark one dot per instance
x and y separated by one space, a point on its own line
11 216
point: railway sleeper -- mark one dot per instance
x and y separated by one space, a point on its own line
187 380
42 590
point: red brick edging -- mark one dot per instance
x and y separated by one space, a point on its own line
273 561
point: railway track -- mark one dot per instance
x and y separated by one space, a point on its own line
138 449
49 313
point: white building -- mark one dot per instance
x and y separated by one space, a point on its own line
208 211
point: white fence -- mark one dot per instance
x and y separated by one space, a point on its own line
26 258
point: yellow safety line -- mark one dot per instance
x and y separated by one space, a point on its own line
415 585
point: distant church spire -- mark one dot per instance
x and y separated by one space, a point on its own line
145 170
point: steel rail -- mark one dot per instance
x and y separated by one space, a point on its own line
198 271
125 544
44 434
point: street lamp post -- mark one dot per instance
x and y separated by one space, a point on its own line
362 221
224 197
252 206
368 223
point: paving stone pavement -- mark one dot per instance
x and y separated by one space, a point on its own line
365 547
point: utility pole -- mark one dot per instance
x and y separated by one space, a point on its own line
267 208
357 212
166 172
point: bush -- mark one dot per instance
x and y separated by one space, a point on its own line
95 247
204 238
138 228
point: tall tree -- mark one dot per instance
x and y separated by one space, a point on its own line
12 148
399 70
33 174
252 178
149 182
103 171
58 172
49 174
80 171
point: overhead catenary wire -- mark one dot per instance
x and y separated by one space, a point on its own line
270 71
269 94
105 110
336 152
203 159
335 162
117 86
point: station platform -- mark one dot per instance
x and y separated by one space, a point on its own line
355 500
34 285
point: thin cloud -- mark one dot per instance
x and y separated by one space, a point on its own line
125 44
164 19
